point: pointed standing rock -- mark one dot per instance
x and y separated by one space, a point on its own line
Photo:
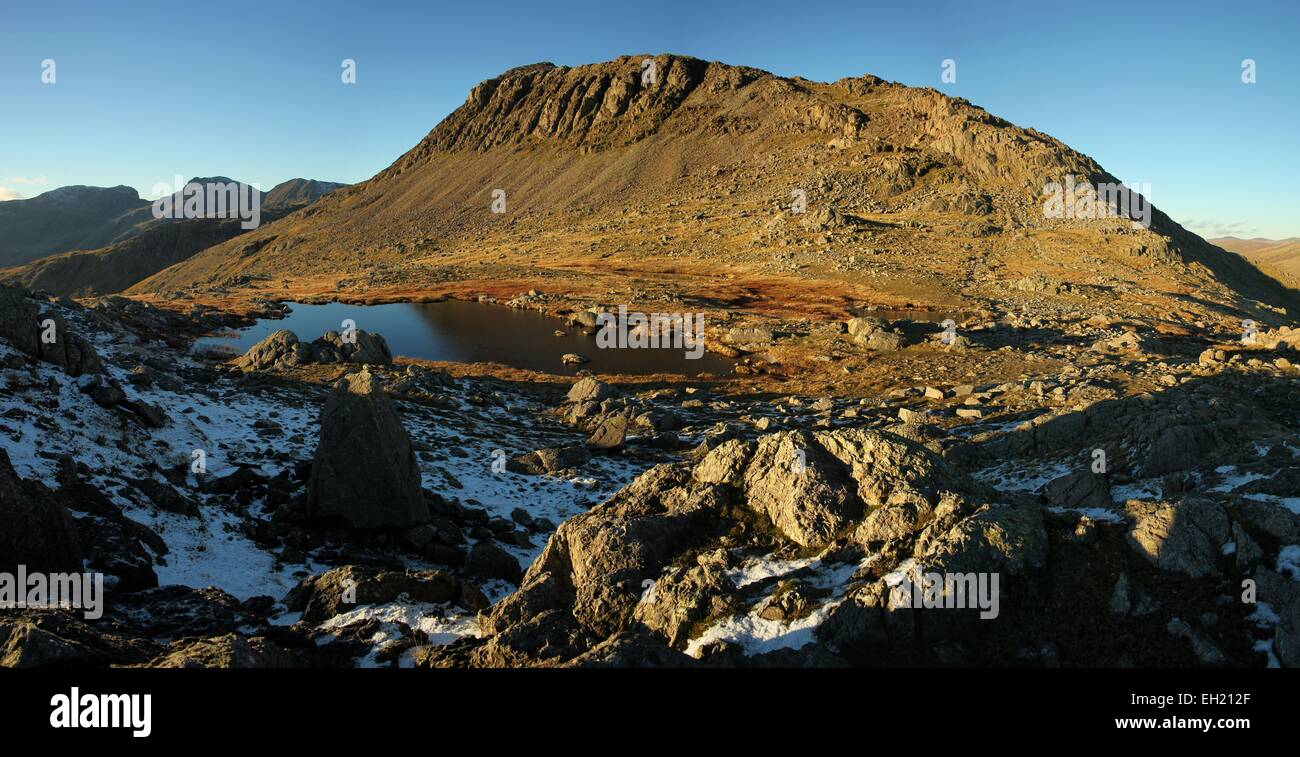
364 473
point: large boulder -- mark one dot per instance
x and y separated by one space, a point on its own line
21 325
865 326
62 639
279 350
590 577
282 349
1184 537
489 561
1081 488
610 434
748 336
19 320
882 341
364 347
549 460
590 390
683 598
35 531
725 463
998 537
812 486
74 355
364 473
801 488
889 469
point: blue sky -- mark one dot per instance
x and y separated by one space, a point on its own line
146 91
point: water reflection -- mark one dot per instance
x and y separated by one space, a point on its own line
471 332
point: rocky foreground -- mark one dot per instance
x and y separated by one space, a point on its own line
1137 496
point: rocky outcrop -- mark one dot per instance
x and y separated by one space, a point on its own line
801 488
24 326
626 100
37 532
1186 536
59 640
364 473
588 580
487 561
997 537
683 599
549 460
362 347
229 651
648 570
1081 488
282 349
339 590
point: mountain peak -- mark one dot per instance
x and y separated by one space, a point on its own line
579 151
619 102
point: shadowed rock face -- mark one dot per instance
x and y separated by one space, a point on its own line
34 531
336 591
364 473
21 325
66 218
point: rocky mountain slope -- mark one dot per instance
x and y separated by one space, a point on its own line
152 245
685 184
67 218
1279 257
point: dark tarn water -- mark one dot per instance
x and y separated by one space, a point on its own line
471 332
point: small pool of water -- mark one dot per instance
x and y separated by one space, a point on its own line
472 332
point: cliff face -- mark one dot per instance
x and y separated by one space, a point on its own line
615 104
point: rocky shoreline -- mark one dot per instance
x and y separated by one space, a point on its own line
714 523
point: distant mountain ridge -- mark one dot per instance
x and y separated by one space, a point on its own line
298 192
1280 257
85 218
68 218
115 238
